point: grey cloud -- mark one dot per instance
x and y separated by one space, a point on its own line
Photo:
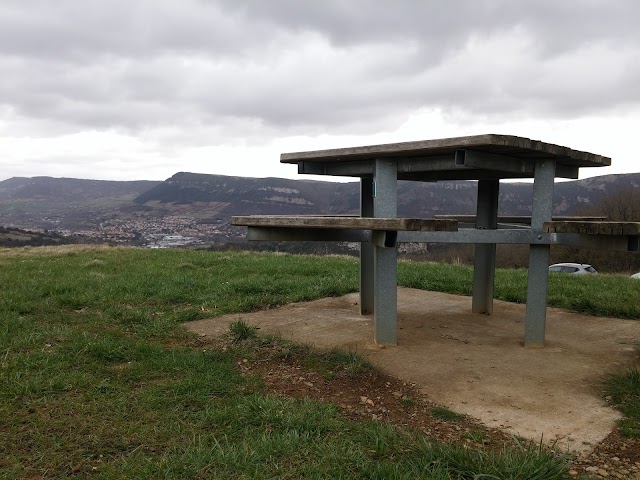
308 67
557 25
80 31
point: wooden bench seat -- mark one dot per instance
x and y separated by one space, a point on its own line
519 219
347 223
593 228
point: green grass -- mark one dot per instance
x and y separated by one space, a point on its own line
407 402
98 378
445 414
327 363
477 437
242 331
623 391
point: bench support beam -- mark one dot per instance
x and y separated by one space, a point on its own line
385 266
538 275
366 250
484 258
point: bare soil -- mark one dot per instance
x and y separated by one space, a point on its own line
471 364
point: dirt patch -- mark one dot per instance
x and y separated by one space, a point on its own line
472 364
367 395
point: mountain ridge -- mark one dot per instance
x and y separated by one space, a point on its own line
186 200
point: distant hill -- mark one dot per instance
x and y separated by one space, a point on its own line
69 189
182 203
47 202
16 237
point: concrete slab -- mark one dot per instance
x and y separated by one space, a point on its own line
476 364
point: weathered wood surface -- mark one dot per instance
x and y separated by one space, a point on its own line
524 220
594 228
344 222
508 145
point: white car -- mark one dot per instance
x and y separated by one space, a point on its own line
636 276
575 268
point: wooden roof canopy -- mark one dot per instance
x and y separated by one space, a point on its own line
507 145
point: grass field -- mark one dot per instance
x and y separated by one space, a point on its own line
97 378
601 295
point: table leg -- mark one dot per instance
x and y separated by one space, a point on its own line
366 250
538 276
385 310
484 258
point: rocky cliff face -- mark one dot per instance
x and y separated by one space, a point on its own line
242 195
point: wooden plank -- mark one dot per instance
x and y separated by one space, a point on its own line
520 219
340 222
518 147
593 228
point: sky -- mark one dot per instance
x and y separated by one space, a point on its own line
143 89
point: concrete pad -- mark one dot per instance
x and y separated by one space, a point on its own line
476 364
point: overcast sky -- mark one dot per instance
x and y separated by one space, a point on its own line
142 89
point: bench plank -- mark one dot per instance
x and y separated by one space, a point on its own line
525 220
593 228
347 223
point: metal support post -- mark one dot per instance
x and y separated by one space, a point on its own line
385 310
484 259
366 250
538 276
